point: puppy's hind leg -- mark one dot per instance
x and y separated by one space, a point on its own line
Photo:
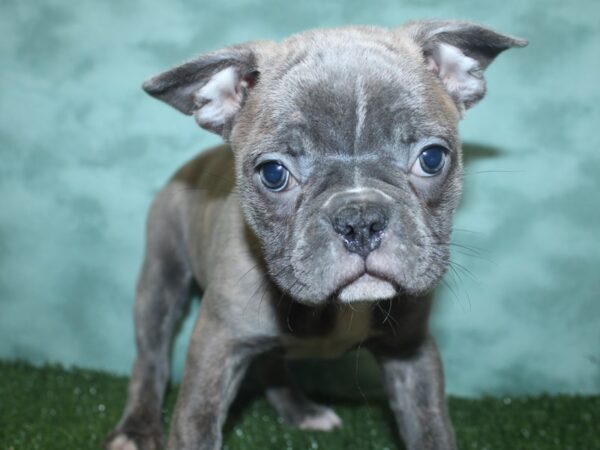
163 291
289 401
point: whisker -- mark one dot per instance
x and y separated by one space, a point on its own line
463 268
356 378
481 172
388 316
465 230
455 295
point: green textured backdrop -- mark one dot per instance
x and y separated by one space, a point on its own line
83 150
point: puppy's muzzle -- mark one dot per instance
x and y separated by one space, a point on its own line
359 216
361 225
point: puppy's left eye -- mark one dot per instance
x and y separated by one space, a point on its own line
430 162
274 176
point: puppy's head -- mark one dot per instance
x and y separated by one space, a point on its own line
347 155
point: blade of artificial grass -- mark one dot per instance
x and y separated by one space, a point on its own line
53 408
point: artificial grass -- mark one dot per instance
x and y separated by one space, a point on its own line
53 408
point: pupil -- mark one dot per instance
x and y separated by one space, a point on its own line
273 173
432 160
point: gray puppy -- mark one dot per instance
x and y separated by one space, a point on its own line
323 224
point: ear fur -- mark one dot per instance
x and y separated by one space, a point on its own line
212 87
458 53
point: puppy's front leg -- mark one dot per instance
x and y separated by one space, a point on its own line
216 363
415 386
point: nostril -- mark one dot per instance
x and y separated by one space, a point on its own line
377 227
360 227
343 227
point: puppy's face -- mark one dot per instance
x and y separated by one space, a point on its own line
348 161
353 187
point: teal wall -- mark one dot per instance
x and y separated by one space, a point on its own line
83 150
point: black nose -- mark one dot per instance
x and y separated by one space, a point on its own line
361 226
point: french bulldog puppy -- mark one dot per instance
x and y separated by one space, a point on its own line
322 224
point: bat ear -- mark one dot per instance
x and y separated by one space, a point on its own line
212 87
458 53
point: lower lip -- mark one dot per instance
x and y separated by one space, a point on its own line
367 288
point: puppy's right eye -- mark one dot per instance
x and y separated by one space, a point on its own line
274 176
430 162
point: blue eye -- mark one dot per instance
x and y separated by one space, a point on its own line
432 160
274 175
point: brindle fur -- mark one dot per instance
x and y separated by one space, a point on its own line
347 110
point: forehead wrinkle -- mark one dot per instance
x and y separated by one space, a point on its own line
293 134
313 63
347 158
388 101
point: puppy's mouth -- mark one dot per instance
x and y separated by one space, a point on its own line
366 287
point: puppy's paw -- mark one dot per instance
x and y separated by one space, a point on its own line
322 419
122 440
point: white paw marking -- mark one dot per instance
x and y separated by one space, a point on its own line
325 420
121 442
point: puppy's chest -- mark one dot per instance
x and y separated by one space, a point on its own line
345 329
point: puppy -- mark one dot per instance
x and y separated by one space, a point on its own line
323 223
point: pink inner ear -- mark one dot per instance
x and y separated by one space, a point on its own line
460 74
432 65
220 99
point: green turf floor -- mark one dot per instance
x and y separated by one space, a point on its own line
52 408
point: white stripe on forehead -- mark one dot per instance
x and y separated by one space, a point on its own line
356 190
361 110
